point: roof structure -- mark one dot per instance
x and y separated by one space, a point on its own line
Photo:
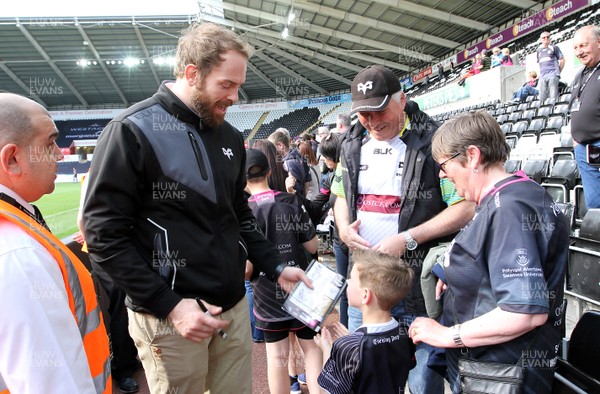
112 62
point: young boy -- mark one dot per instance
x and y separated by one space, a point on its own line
285 222
375 358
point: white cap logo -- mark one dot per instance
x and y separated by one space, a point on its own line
362 87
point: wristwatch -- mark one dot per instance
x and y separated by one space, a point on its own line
411 244
456 336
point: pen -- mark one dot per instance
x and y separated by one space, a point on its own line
222 333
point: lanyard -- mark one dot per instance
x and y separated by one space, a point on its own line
521 178
586 80
37 216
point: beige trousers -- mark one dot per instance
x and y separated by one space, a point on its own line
176 365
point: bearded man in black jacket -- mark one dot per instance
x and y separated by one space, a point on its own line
166 217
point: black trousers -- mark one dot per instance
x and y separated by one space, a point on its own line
124 353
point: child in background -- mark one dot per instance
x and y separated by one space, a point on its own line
375 358
285 222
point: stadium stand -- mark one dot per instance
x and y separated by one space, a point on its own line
295 121
66 167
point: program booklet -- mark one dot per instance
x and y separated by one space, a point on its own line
311 306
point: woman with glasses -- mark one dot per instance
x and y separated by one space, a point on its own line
504 271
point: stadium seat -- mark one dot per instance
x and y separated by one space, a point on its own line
522 107
584 346
562 153
512 166
578 373
550 101
555 122
544 111
501 118
511 141
528 114
580 205
536 125
519 127
506 128
562 179
556 190
514 116
564 98
534 104
566 140
536 169
561 109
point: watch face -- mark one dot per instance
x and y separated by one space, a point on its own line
411 245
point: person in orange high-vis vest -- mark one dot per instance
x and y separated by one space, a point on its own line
52 336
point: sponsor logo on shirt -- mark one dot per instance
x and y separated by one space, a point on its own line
378 203
382 151
522 258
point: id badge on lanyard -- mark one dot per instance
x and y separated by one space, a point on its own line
575 105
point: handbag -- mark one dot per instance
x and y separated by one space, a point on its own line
489 377
484 377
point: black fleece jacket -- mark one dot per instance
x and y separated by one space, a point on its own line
165 213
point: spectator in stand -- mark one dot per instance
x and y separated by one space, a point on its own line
505 270
274 212
505 58
585 110
551 61
486 61
496 57
293 162
315 172
343 124
528 89
474 70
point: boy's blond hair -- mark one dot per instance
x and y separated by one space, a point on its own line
388 277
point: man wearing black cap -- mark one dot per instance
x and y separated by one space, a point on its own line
390 197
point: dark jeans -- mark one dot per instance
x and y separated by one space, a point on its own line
257 335
341 265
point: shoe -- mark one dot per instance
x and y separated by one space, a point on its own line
127 385
301 378
260 340
295 388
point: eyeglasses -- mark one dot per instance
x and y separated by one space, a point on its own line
443 164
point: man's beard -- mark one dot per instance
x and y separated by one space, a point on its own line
207 110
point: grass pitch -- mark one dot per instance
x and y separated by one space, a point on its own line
60 208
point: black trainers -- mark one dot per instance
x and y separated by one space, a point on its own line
127 385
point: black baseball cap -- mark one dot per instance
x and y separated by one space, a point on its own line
372 89
255 158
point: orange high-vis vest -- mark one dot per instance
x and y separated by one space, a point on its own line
81 295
